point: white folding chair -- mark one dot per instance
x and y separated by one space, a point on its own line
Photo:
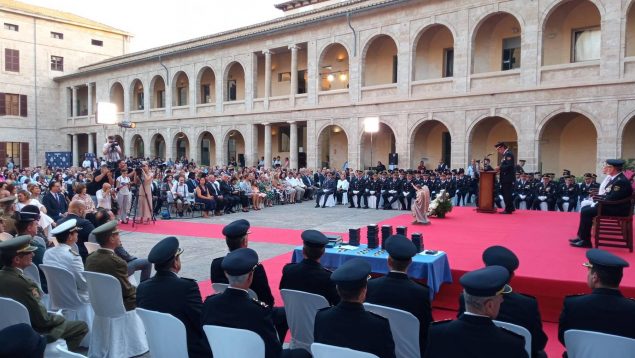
345 198
63 352
221 287
159 326
223 342
300 308
64 297
404 327
320 350
91 247
372 201
518 330
588 344
330 202
115 332
33 273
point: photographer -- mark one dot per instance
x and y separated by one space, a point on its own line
112 150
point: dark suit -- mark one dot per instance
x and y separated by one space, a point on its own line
474 337
396 290
106 262
309 276
507 176
55 207
521 310
260 284
86 227
327 189
180 297
349 325
604 310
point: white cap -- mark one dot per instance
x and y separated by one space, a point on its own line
64 227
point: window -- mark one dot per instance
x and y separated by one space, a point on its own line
231 90
140 105
160 98
57 63
99 43
284 139
182 96
205 94
302 77
13 105
11 27
394 69
511 53
448 63
57 35
586 44
11 60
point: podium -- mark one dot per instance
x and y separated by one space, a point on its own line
486 192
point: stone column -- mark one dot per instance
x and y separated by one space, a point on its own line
293 145
74 103
294 74
267 77
90 106
75 150
91 143
267 145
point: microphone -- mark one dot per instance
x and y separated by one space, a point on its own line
490 154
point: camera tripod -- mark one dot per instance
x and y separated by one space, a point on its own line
134 207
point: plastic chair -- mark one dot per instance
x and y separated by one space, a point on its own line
223 342
63 352
115 332
64 297
300 308
33 273
320 350
221 287
91 247
404 327
588 344
330 202
345 198
159 326
518 330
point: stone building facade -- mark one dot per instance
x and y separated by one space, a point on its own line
446 79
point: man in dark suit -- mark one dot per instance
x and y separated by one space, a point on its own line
213 188
618 188
357 189
54 201
604 310
474 334
517 308
348 324
326 189
231 198
168 293
398 291
545 191
234 308
506 171
77 210
308 275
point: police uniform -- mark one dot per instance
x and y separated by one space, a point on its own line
391 192
567 193
348 324
309 275
474 335
585 189
357 188
168 293
21 341
107 262
545 191
398 291
260 283
64 256
605 310
517 308
14 285
523 192
507 170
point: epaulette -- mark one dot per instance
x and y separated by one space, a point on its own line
436 323
260 303
73 252
327 270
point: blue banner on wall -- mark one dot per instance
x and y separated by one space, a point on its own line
58 159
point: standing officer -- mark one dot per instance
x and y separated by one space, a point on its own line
348 324
506 170
16 254
308 275
398 291
474 334
604 310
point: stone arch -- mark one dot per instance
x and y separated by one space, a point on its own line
236 149
373 72
206 78
556 4
487 42
630 30
136 94
432 56
541 125
206 144
334 61
332 145
180 146
485 131
137 149
158 146
626 133
384 142
180 89
157 92
239 87
430 145
117 95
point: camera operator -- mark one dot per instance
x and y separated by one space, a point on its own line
112 150
100 176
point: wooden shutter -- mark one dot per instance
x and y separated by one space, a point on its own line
24 154
3 154
3 106
23 106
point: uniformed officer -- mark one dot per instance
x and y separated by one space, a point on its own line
327 189
463 184
587 189
357 188
604 310
348 324
234 308
407 192
65 256
398 291
567 193
474 334
15 255
545 191
21 341
308 275
516 308
618 187
506 171
391 191
104 260
7 204
168 293
237 236
523 192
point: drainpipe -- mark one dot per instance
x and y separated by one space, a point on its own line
167 73
348 18
35 162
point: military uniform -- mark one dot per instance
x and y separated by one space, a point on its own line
357 187
260 284
407 193
63 256
523 192
507 170
545 192
463 184
391 192
567 193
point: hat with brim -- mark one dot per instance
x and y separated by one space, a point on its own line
240 262
165 250
67 226
19 244
501 256
314 238
400 248
601 259
353 274
618 163
486 282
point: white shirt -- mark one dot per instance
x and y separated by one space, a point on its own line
123 182
180 189
342 184
63 256
605 182
86 163
103 201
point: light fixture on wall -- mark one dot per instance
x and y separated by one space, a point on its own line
341 57
343 77
180 136
336 129
330 77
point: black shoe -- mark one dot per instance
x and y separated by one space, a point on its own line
351 207
317 205
365 207
581 243
323 206
505 212
575 239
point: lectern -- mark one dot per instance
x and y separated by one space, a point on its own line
486 192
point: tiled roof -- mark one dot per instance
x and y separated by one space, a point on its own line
294 4
56 15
